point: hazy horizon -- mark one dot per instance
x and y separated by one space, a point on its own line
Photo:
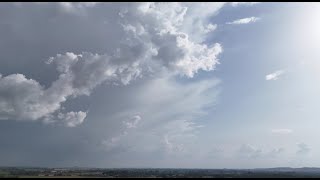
180 85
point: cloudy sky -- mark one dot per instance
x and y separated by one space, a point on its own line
181 85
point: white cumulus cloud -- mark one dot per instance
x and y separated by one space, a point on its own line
72 119
154 39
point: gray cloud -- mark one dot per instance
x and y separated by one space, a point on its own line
117 69
249 151
152 41
303 149
274 153
132 122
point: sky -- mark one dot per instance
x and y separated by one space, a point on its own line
160 85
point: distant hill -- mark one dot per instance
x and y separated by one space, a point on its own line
289 169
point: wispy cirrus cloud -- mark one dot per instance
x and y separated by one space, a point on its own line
281 131
244 21
129 124
243 3
275 75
